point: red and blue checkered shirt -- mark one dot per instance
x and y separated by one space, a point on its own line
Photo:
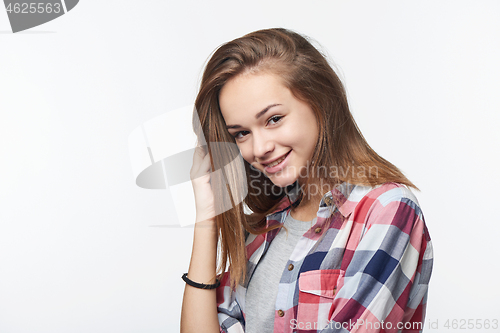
363 267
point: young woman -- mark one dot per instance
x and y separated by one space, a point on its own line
329 238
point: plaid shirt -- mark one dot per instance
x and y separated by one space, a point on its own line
363 267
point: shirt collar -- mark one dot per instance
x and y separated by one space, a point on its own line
339 195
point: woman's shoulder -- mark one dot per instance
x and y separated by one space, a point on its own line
388 200
356 195
389 192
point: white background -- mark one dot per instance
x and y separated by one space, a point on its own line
78 250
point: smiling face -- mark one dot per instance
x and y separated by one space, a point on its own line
275 132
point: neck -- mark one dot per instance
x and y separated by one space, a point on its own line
305 211
307 208
312 194
315 189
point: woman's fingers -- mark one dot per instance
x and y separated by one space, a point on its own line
201 163
199 154
205 164
200 179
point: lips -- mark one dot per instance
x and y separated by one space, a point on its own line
277 164
276 161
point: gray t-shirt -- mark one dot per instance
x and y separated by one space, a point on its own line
262 289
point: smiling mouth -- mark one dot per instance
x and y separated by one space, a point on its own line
278 161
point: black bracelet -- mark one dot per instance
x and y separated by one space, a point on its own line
200 285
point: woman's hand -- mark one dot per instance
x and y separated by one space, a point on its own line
200 179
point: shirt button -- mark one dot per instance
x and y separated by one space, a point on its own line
281 313
328 201
290 267
317 230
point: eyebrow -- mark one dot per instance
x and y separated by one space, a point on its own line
257 116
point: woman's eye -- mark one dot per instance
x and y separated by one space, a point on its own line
274 119
240 134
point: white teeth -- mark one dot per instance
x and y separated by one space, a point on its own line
270 165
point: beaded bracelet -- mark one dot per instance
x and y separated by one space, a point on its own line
200 285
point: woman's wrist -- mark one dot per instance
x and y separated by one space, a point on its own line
202 268
206 226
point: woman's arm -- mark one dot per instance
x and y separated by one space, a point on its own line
199 306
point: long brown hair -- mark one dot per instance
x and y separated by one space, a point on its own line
341 146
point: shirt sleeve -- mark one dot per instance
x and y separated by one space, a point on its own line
231 319
386 267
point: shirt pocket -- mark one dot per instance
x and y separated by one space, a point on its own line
317 290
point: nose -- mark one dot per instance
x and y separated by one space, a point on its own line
263 145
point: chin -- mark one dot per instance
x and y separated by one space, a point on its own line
283 182
283 178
